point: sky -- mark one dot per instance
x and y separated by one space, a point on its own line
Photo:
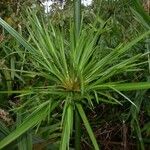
48 4
86 2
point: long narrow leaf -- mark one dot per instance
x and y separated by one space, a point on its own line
124 86
28 123
67 128
87 126
15 34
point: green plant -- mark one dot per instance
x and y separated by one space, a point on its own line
141 96
75 76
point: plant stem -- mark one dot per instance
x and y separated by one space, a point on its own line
77 130
77 24
77 16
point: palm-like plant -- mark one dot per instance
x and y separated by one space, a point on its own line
76 77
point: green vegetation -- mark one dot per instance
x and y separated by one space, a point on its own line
72 83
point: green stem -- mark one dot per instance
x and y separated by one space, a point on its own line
77 23
77 131
77 16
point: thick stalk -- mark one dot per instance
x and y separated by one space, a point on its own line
77 130
77 16
77 24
